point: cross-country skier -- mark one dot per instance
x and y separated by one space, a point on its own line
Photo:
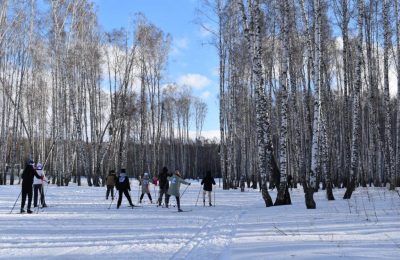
145 187
111 181
208 182
123 186
174 187
242 182
38 187
164 185
27 180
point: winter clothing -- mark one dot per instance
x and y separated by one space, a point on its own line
176 181
155 180
111 180
123 186
208 182
38 187
164 185
145 184
242 183
209 198
27 180
163 178
145 187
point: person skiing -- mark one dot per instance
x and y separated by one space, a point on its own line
38 187
164 185
242 182
27 181
208 182
123 186
174 187
111 181
145 187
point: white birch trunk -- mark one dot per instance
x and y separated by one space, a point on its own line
356 104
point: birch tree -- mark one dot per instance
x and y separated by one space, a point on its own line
356 104
283 197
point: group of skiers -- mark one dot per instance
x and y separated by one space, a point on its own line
33 179
169 185
32 182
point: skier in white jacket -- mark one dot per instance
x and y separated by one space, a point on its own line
38 186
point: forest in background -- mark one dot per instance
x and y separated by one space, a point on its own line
304 91
84 101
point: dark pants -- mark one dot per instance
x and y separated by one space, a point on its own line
38 188
110 188
26 191
148 195
178 201
126 192
162 192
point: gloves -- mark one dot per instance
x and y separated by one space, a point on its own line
189 183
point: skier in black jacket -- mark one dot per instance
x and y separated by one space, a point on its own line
27 181
208 182
164 185
123 186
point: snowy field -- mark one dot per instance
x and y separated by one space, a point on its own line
78 225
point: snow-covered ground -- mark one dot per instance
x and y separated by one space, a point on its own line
78 225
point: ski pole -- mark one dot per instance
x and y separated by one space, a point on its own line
15 202
198 195
44 164
131 198
184 191
138 194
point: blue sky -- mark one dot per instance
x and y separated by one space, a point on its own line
193 61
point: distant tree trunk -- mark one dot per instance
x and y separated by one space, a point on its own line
283 197
309 182
262 118
389 153
356 104
397 14
222 112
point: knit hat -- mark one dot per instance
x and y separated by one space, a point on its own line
122 172
30 162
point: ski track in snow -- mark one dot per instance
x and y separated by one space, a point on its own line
211 239
78 225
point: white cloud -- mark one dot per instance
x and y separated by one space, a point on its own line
179 44
205 94
195 81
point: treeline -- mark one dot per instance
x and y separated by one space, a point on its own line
83 101
307 82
